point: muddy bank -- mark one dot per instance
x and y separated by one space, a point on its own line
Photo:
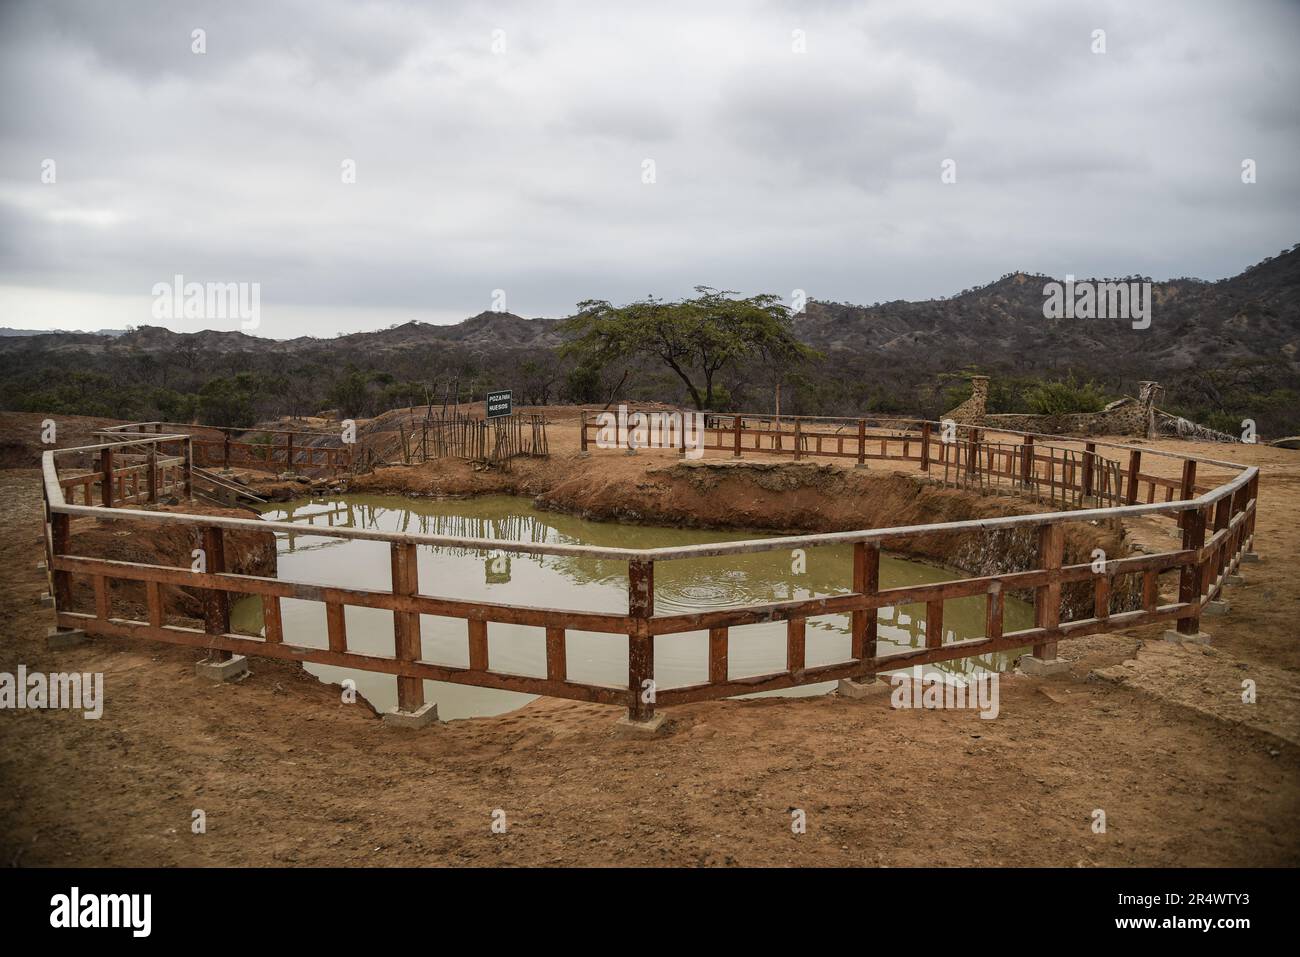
776 497
247 553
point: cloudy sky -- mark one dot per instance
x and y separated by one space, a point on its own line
505 147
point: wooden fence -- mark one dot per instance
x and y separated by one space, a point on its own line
955 454
493 441
283 450
1217 528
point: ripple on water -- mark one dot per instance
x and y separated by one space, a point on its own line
704 594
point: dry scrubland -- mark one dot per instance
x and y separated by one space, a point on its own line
1154 733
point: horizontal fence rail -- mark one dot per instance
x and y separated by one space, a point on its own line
1216 526
957 454
284 450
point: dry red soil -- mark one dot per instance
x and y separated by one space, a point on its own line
1152 733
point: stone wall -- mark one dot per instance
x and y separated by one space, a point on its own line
1126 416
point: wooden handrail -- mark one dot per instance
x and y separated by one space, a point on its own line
1203 563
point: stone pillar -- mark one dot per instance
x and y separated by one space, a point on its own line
1147 394
971 412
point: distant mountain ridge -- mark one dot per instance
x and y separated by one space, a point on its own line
1251 316
487 330
6 331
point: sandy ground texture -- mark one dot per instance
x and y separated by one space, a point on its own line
1152 733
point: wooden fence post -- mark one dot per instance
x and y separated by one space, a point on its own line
994 611
1089 466
798 441
1027 461
1190 576
406 626
737 426
640 643
216 603
1047 598
557 667
1187 489
61 537
866 581
106 477
187 467
225 451
925 446
1222 518
934 623
862 442
152 465
1238 538
1250 523
718 669
1134 467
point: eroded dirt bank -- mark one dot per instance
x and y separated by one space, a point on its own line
773 497
246 553
1154 734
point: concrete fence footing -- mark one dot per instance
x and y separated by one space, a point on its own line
628 728
56 638
414 720
1215 609
231 669
1043 666
1200 638
867 688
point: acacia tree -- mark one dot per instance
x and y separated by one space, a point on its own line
695 338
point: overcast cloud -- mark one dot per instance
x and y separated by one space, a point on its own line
521 170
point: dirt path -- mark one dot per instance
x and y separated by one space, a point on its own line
287 773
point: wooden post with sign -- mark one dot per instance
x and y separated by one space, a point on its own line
499 403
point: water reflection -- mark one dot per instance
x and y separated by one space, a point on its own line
582 584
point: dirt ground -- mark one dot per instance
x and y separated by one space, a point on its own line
1152 733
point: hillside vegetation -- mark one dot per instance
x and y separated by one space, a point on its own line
1225 351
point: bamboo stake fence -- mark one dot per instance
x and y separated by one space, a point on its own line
489 442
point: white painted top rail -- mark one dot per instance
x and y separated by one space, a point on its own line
876 535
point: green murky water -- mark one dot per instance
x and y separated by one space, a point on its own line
580 584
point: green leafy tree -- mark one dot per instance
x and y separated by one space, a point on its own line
582 384
1065 396
351 393
694 338
228 402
